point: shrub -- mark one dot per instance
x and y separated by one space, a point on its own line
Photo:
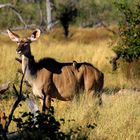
128 47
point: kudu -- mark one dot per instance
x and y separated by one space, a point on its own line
52 79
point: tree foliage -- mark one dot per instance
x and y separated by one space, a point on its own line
128 47
67 13
34 12
92 12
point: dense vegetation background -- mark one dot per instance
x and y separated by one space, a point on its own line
34 12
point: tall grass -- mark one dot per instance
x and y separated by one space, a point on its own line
7 63
90 45
118 117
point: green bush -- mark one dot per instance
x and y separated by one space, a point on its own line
128 47
46 127
42 126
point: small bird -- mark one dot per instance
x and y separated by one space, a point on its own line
75 64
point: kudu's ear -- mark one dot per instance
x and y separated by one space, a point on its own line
14 37
35 35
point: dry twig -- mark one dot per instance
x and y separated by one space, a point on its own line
15 105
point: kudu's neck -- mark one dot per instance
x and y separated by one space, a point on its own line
29 64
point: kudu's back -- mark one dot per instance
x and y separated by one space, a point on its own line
64 81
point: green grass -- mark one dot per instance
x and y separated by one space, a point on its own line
118 117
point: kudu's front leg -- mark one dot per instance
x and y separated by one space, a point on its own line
46 103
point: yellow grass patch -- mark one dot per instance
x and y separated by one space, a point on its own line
117 118
84 45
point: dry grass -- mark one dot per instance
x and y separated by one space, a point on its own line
118 118
90 45
7 63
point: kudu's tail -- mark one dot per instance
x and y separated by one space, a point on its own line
100 82
100 87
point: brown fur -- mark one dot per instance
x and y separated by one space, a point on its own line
52 79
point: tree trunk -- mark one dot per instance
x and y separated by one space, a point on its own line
49 8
